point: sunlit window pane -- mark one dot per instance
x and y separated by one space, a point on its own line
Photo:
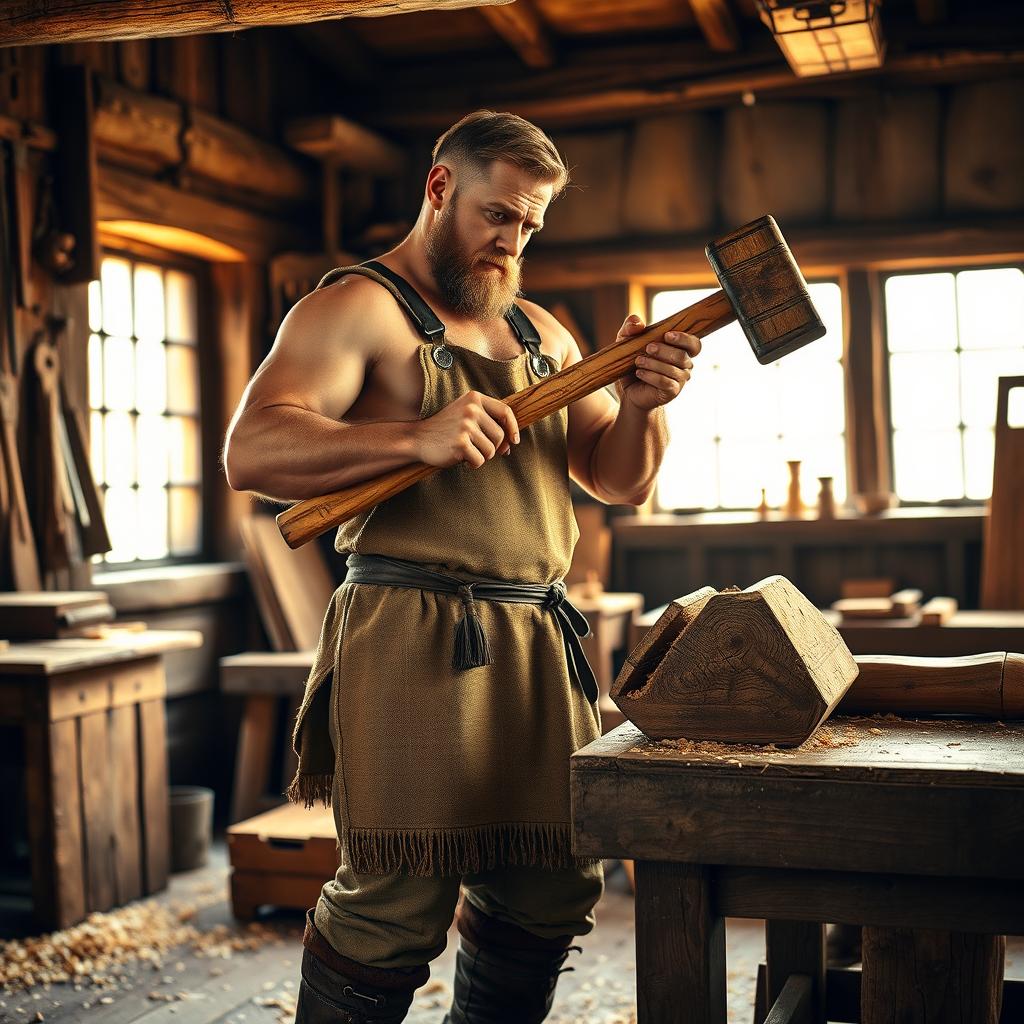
116 284
143 376
727 424
95 360
152 524
979 382
183 444
118 373
96 446
185 521
951 386
923 389
991 308
182 379
119 448
149 303
152 434
150 376
928 464
95 307
119 511
920 312
979 449
181 306
1015 408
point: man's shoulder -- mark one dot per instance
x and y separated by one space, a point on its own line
554 337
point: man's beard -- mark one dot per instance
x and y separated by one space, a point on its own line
463 279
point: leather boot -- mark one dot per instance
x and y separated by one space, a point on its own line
337 990
503 974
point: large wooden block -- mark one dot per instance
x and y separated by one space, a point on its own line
761 665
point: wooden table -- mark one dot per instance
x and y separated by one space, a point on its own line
92 715
918 826
968 632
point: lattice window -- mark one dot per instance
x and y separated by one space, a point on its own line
144 396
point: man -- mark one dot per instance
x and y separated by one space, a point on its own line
449 688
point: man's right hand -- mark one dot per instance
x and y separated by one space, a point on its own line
472 429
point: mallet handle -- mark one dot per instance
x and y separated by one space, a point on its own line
309 518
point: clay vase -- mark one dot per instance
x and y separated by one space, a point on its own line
826 499
764 509
794 503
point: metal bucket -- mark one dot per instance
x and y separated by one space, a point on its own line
191 826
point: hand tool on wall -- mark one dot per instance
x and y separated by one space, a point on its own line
762 288
19 547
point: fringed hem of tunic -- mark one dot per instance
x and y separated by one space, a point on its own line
311 789
460 851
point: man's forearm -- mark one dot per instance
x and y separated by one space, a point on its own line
628 454
287 453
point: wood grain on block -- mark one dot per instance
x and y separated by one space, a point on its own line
938 611
761 665
288 839
648 654
882 586
934 977
957 686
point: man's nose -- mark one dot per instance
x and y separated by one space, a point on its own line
511 240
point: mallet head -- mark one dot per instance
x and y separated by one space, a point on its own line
764 284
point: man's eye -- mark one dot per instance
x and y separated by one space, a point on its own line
497 216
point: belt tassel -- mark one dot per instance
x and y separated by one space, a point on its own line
471 647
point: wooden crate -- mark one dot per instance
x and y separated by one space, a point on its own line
281 858
92 716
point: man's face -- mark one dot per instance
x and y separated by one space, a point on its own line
475 246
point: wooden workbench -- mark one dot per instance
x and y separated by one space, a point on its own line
919 825
92 716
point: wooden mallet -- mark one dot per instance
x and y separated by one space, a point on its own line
762 288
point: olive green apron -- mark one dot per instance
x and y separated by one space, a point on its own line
437 769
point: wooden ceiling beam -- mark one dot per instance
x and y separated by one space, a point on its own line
717 24
31 22
522 28
622 96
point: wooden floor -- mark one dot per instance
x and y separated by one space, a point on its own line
258 986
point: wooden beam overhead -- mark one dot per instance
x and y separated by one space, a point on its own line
522 28
31 22
621 96
717 23
343 143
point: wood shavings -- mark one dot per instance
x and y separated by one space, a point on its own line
87 953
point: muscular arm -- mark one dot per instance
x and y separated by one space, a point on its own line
614 450
285 440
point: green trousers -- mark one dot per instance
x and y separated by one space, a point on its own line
403 920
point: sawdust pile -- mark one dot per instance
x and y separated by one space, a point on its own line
90 953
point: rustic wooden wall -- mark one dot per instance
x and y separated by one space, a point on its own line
916 154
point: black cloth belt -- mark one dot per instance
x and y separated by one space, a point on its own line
471 647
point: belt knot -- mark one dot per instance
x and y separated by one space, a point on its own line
556 595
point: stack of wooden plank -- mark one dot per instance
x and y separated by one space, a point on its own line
876 599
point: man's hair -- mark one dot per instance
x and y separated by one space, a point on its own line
484 136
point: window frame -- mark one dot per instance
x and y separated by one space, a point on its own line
141 252
943 267
823 277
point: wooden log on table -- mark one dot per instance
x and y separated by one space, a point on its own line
986 685
761 665
931 977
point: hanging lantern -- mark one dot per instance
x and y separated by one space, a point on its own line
821 37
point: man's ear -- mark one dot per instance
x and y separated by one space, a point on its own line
439 185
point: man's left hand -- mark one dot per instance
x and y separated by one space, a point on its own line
660 371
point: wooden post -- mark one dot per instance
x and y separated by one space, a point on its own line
680 945
931 977
797 948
